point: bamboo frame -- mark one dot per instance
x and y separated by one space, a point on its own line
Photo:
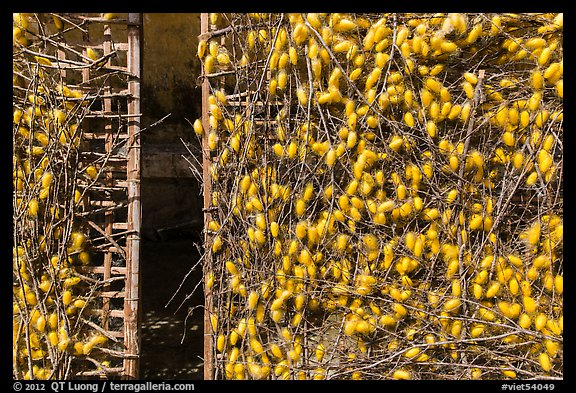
476 131
108 211
129 165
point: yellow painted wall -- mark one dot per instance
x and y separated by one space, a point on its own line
170 68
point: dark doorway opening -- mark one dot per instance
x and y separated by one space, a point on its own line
172 334
171 337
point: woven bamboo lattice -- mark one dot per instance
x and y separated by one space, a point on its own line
383 195
76 195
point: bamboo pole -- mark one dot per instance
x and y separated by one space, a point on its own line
109 179
132 316
206 162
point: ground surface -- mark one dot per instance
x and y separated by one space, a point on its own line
166 352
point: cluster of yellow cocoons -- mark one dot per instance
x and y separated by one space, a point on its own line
48 296
372 219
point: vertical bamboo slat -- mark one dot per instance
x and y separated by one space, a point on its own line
206 163
132 336
109 180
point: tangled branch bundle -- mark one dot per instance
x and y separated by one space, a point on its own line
386 195
64 188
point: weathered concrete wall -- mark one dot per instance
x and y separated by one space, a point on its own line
171 66
170 196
